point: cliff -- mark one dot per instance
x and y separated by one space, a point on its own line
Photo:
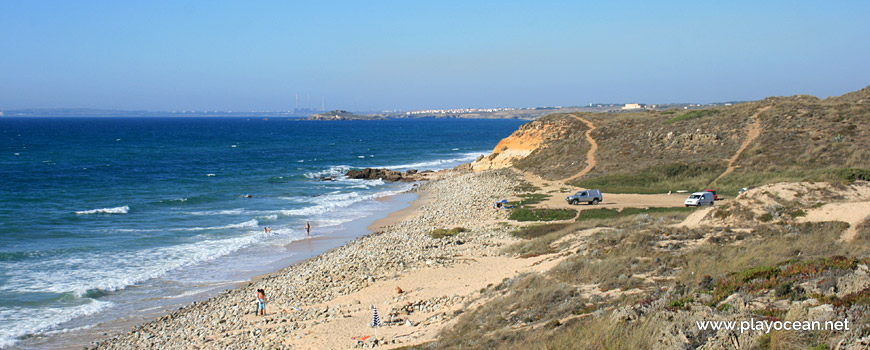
779 138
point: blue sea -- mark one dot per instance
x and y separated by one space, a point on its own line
104 219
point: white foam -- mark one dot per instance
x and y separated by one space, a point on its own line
79 273
16 322
185 294
332 202
332 171
253 223
438 163
216 212
117 210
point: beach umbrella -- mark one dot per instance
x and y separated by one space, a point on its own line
376 322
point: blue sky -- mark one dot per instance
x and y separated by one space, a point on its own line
376 55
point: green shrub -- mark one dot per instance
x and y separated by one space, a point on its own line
599 213
606 213
657 178
523 214
680 304
530 199
442 232
692 115
535 231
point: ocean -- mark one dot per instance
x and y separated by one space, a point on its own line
106 219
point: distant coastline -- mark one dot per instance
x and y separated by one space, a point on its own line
311 114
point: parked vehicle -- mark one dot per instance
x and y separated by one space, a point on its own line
715 196
699 198
589 196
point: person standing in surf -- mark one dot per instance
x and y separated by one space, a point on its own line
307 228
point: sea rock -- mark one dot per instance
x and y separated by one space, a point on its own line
384 174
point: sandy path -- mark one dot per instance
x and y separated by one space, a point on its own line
461 280
590 154
754 132
853 213
694 219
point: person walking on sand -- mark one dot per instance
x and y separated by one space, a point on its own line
307 228
261 302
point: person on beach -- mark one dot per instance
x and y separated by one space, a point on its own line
261 302
307 228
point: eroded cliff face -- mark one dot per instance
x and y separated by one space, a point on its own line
529 138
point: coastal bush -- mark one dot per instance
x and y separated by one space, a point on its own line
526 186
615 258
658 178
599 213
524 214
526 299
805 247
535 231
443 232
601 332
692 115
606 213
530 199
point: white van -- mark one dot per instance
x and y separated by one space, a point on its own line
700 198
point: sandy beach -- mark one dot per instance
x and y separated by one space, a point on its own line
418 283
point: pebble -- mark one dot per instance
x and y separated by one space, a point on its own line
460 200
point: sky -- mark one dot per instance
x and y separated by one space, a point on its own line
406 55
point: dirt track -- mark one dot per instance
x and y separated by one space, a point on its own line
754 132
590 154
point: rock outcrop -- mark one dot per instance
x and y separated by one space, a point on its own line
387 174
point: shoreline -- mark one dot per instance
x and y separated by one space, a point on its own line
303 296
423 198
319 244
305 249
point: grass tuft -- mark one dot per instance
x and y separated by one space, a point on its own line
443 232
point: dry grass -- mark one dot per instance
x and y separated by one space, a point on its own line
771 245
803 138
594 333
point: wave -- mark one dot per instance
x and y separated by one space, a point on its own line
253 223
117 210
17 322
96 273
332 171
333 201
238 211
438 164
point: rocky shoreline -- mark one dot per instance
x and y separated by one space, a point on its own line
226 321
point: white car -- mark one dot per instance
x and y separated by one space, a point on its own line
698 199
